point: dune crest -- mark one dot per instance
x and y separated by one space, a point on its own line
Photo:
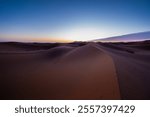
75 71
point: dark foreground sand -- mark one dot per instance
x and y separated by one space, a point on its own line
75 70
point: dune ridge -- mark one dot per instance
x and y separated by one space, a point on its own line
74 71
132 69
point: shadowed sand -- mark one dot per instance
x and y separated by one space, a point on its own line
74 70
132 61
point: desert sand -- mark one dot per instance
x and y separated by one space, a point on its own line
79 70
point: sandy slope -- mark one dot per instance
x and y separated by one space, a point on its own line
132 63
63 72
75 71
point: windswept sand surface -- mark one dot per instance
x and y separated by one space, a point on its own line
132 62
75 70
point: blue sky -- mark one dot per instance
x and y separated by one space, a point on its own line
75 20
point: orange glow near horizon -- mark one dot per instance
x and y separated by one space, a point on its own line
33 39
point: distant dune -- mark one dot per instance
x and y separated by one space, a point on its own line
127 38
79 70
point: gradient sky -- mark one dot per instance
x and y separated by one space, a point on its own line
77 20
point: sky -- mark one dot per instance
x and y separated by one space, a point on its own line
71 20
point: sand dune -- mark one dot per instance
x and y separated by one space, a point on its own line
132 68
74 71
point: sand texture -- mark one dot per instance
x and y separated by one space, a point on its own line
79 70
